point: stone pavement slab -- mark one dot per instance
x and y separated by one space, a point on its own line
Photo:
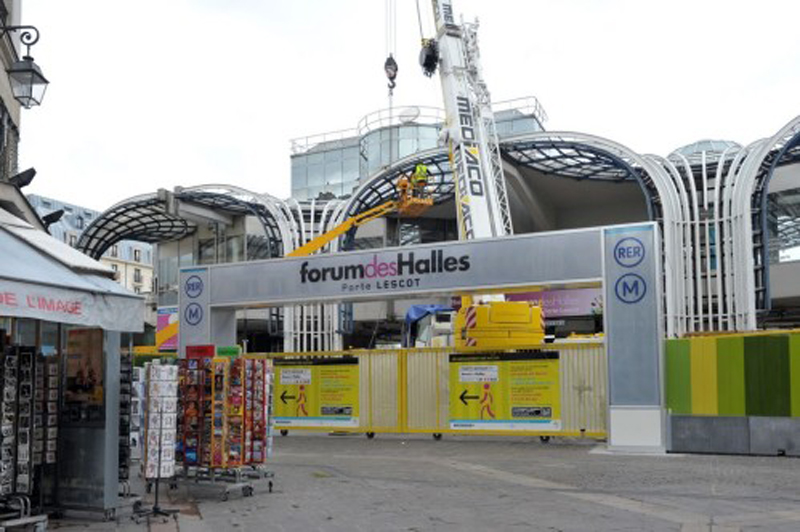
413 483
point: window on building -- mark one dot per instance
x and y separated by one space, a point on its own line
68 209
79 222
73 240
46 204
115 251
137 290
115 267
137 255
137 275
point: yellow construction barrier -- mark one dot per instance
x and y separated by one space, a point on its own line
558 390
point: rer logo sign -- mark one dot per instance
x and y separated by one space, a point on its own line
629 252
193 314
630 288
193 287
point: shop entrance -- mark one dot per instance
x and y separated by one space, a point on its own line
624 260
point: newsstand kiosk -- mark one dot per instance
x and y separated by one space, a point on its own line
61 317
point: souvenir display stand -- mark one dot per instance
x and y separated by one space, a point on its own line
224 418
125 422
137 413
160 431
27 456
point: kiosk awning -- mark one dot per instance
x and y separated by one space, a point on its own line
43 278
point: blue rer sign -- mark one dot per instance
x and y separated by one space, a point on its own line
629 252
632 308
193 299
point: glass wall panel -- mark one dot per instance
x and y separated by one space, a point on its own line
349 169
333 172
49 345
299 176
316 175
235 248
407 147
408 132
26 332
299 161
206 251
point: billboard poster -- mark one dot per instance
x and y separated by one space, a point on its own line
505 391
316 392
564 303
167 328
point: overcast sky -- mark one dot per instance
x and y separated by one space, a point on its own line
148 94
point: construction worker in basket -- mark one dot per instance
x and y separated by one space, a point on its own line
402 188
419 180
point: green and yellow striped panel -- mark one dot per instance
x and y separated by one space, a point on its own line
767 377
794 373
730 376
704 376
679 377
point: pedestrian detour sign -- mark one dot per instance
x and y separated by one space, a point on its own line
317 392
505 391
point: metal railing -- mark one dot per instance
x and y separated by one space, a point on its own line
402 116
302 145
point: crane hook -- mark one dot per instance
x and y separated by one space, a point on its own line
390 67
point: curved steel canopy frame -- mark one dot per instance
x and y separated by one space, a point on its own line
701 206
141 218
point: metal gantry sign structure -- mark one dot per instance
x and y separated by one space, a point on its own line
624 260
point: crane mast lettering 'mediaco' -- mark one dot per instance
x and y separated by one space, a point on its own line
482 204
481 197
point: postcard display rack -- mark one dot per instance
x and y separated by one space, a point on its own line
160 422
29 430
125 420
137 413
224 416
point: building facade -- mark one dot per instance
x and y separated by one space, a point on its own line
131 261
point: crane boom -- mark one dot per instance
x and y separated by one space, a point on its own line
481 198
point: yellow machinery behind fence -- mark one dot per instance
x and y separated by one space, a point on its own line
501 324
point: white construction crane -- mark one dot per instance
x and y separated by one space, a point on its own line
481 197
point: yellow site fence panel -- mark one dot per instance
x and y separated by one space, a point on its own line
409 390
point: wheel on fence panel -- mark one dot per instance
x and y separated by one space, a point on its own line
224 496
370 435
284 432
544 439
437 436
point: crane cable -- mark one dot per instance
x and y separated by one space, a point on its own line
419 20
390 66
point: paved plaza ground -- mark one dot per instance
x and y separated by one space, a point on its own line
413 483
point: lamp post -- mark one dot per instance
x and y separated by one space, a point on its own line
28 84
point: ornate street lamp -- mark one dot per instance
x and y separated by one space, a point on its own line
28 84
